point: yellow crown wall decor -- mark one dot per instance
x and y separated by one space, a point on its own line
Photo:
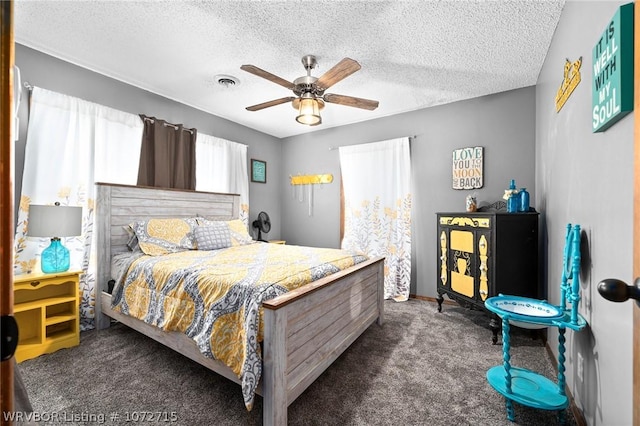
569 82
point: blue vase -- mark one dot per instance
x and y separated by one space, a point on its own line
524 200
512 203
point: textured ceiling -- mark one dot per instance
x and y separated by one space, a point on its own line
414 54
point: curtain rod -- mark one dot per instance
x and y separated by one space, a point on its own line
29 87
175 126
332 148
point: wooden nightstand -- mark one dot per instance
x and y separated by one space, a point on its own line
46 309
277 241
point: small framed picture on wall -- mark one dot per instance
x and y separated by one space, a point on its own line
258 171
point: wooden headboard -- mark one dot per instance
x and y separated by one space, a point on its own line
119 205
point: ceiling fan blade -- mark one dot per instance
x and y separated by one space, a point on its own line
270 103
340 71
351 101
265 74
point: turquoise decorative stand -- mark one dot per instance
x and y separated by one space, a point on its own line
525 386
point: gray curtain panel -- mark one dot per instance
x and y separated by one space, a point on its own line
168 155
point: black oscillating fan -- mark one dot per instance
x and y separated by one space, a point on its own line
263 223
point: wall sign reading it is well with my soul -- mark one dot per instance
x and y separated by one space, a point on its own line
612 88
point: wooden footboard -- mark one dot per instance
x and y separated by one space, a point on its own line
307 329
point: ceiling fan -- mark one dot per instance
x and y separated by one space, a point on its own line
310 91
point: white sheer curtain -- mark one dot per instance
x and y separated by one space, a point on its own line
71 143
376 178
221 166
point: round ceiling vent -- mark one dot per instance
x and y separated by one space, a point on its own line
226 80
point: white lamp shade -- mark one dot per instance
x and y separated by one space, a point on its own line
309 112
54 221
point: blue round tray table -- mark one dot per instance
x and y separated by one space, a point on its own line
520 384
528 388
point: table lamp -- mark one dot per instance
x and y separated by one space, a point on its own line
54 222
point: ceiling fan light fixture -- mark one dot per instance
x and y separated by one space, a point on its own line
296 103
309 110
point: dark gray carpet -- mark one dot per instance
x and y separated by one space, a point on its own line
420 368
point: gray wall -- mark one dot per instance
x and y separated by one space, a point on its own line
53 74
504 124
587 178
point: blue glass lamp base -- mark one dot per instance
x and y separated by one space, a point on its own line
55 258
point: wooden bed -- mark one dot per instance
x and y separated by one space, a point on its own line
305 330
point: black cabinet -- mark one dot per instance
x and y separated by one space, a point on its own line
481 255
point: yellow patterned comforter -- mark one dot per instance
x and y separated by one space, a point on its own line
215 297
